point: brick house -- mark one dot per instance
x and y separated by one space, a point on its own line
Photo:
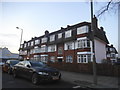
68 45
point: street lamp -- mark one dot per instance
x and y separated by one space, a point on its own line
20 38
93 45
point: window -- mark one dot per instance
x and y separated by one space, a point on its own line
44 59
31 51
59 35
28 44
60 50
52 38
81 58
69 59
83 43
36 57
32 43
68 34
36 49
37 42
81 30
69 46
25 45
43 48
21 46
52 48
52 59
44 40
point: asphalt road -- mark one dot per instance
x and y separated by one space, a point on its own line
8 81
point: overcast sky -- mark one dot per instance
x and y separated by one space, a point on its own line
36 17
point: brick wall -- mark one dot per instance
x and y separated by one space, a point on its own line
102 69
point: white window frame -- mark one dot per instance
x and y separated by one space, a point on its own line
37 41
83 43
43 48
52 38
32 43
69 59
68 34
83 58
52 48
44 40
59 35
82 30
25 45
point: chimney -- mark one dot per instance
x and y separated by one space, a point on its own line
68 26
95 22
62 28
46 32
101 28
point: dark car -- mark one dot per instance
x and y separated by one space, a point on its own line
8 66
36 71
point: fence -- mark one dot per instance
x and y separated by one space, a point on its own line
102 69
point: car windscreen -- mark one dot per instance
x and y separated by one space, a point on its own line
37 64
13 62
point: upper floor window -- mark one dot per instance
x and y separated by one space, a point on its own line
68 34
43 48
44 40
21 46
52 38
69 46
25 45
37 41
83 43
28 43
59 35
32 43
69 59
83 29
52 48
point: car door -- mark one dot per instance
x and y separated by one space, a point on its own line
28 70
20 68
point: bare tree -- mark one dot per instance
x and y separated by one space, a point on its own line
111 5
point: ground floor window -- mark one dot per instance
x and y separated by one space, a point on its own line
60 60
69 59
83 58
44 59
36 57
52 59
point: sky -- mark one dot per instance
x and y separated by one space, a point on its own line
36 17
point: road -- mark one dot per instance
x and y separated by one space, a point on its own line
8 81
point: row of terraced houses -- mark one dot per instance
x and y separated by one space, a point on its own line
72 44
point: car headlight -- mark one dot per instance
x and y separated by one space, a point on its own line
43 73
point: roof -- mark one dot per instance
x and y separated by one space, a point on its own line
6 54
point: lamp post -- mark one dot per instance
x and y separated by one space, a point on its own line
20 38
93 45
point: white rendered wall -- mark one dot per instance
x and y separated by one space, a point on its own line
100 50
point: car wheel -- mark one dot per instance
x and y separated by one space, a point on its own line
14 74
35 79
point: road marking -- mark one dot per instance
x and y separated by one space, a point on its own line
76 87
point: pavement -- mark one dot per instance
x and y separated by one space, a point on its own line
86 80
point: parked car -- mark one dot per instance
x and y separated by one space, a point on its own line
37 72
2 63
8 66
